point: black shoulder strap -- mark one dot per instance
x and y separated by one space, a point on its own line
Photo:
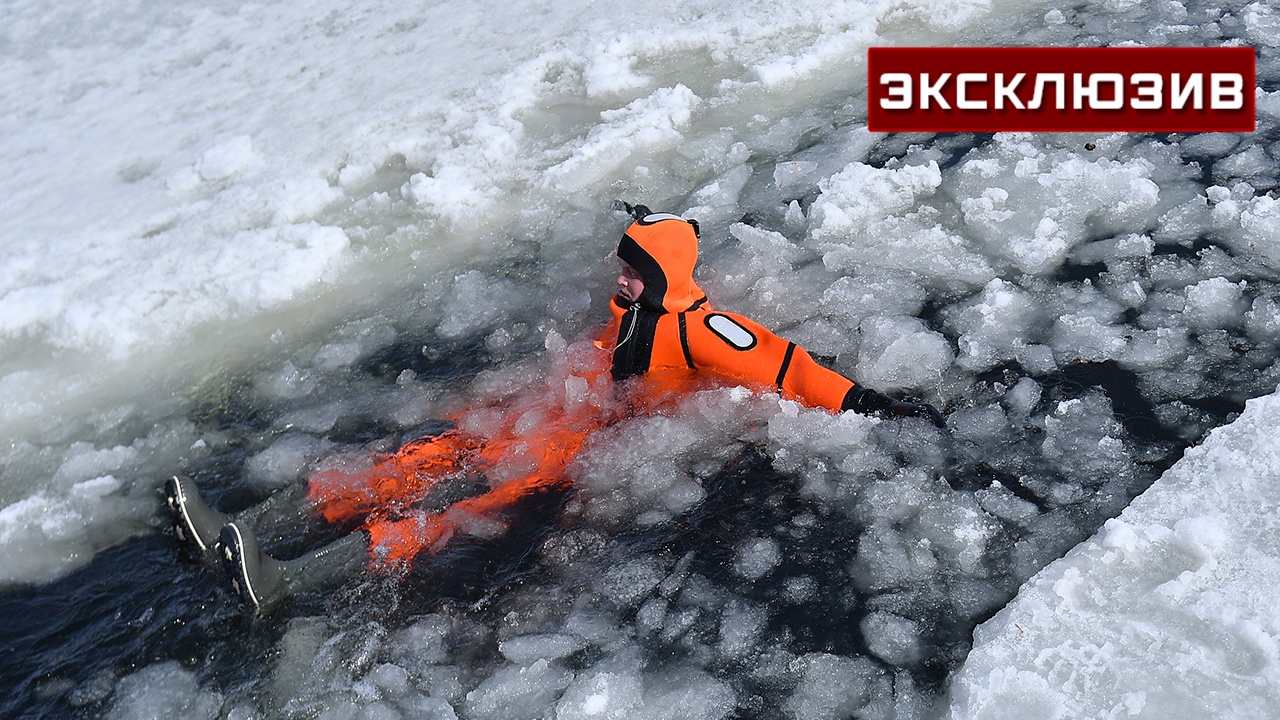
684 343
786 364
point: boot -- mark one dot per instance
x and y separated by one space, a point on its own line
262 581
195 523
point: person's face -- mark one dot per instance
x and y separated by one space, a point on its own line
629 283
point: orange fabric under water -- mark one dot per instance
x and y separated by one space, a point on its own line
538 434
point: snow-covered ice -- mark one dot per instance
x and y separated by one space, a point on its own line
1164 613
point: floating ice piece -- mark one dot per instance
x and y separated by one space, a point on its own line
1262 24
999 501
163 690
1215 303
795 178
755 558
55 531
518 692
422 643
1263 319
1031 205
602 696
1083 440
631 581
688 694
528 649
854 198
956 530
901 354
391 678
1083 337
1214 145
888 558
877 217
1023 397
476 302
1260 221
740 627
892 638
831 686
854 298
1252 164
286 459
994 325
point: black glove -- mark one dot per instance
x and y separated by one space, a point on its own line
924 410
870 402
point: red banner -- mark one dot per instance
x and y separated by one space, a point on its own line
951 89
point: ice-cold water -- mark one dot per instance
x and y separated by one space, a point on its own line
245 241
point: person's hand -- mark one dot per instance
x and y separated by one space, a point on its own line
924 410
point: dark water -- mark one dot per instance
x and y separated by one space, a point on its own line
64 645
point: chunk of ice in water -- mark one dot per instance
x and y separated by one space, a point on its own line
795 178
1023 397
831 687
286 459
690 695
740 628
630 582
163 690
601 696
756 557
1215 303
527 649
901 353
892 638
517 692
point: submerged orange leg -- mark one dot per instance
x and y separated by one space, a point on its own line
394 542
397 481
535 443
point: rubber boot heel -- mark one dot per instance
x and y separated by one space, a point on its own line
255 576
194 522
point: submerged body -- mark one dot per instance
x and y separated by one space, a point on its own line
521 447
662 340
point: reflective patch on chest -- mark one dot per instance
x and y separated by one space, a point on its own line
728 329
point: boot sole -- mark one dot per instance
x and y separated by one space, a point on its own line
176 500
233 558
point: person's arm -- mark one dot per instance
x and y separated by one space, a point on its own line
741 349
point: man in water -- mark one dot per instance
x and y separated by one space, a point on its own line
662 341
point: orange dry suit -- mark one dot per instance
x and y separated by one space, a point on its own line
520 445
523 444
672 327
